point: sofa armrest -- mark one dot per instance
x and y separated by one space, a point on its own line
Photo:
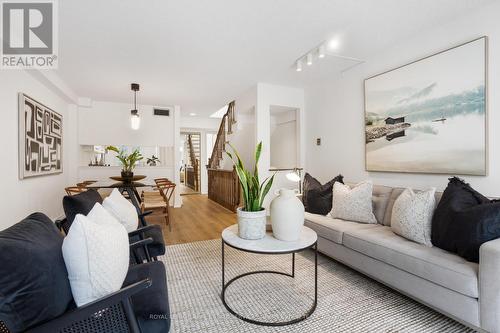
489 285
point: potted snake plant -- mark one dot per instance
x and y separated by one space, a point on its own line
252 216
128 162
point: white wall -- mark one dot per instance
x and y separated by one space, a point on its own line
44 194
243 140
336 109
271 95
200 122
108 123
284 141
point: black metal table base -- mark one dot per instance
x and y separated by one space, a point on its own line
292 275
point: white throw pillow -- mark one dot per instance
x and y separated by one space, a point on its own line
122 209
96 254
353 204
412 215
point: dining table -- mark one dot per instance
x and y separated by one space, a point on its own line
131 188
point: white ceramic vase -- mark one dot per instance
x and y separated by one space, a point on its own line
287 216
251 225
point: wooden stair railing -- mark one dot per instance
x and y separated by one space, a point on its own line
224 188
223 185
226 127
192 179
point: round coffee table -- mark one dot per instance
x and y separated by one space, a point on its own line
270 245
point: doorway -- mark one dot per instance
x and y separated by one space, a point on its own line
190 169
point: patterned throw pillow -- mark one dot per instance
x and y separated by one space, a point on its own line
353 204
412 215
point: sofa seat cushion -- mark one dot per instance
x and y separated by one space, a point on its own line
332 229
431 263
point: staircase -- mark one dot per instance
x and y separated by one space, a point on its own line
223 185
193 147
225 128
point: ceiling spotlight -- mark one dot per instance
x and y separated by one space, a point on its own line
309 59
192 114
298 65
333 44
321 51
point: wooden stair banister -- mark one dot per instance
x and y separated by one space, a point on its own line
223 185
225 127
224 188
192 175
192 156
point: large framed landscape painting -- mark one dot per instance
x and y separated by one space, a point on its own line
40 139
430 116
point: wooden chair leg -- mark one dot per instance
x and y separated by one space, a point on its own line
167 222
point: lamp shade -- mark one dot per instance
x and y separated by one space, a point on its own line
135 120
293 177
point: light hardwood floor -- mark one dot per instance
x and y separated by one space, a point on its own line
198 219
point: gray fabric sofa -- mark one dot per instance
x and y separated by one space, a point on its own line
466 291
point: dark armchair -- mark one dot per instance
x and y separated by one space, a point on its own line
35 293
147 240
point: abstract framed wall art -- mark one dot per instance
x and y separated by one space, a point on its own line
40 139
430 116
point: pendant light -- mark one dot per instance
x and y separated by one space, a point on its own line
135 120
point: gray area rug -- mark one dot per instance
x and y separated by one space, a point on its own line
347 300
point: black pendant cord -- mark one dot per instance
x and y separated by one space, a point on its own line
135 99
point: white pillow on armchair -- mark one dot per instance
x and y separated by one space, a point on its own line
96 254
122 209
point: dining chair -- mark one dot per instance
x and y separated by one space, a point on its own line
161 180
154 190
159 199
73 190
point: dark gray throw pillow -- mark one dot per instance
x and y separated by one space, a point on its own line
34 285
317 198
464 219
81 203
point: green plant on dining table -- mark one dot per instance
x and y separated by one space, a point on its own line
128 161
254 192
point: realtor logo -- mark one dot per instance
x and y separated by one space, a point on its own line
29 34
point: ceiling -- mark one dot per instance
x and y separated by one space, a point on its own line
201 54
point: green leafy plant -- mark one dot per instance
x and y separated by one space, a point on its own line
153 160
128 161
254 192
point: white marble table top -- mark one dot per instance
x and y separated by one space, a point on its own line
268 244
